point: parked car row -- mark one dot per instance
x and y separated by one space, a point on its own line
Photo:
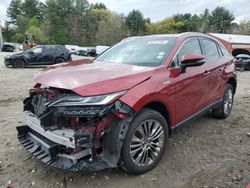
86 52
91 52
39 55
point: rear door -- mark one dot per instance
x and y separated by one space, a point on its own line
215 66
191 87
50 52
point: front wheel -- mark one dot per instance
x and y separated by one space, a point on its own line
226 107
145 142
19 63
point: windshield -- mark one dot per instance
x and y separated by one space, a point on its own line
143 51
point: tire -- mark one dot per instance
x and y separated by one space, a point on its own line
59 60
19 63
132 151
228 97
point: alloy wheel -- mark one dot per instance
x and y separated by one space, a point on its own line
147 142
228 101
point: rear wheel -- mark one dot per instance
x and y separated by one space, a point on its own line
19 63
145 142
226 107
59 60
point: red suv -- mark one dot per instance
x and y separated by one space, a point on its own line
121 107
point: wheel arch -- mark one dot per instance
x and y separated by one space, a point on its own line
161 108
233 82
22 59
59 57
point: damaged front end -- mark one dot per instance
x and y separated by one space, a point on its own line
68 131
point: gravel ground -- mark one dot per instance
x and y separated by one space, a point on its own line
207 153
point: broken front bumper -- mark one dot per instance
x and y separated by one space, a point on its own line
52 154
50 147
89 138
63 137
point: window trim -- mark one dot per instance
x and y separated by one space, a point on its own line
222 47
191 38
220 51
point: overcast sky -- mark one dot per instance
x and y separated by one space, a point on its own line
159 9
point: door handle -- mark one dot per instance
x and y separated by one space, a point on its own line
206 73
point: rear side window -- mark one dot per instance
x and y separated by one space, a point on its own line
62 49
54 49
191 46
210 49
50 49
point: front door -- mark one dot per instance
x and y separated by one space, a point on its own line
190 87
36 56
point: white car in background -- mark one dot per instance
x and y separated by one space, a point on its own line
100 49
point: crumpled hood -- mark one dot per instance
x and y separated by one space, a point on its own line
88 78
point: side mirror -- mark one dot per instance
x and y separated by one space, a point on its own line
191 60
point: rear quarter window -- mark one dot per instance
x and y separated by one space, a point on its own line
224 51
61 49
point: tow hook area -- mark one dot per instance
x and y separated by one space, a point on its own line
59 156
52 154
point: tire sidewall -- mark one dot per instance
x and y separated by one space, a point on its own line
228 87
18 61
59 60
127 162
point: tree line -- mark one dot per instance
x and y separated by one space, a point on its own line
81 23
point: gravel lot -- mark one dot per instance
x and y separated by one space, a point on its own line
207 153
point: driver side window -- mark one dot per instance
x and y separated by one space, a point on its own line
191 46
37 50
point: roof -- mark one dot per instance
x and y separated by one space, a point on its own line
169 35
232 38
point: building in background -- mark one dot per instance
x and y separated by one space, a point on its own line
236 44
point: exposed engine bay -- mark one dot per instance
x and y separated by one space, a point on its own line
72 132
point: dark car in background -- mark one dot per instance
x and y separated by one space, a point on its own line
243 62
39 55
92 53
8 48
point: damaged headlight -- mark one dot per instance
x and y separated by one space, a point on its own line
74 100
